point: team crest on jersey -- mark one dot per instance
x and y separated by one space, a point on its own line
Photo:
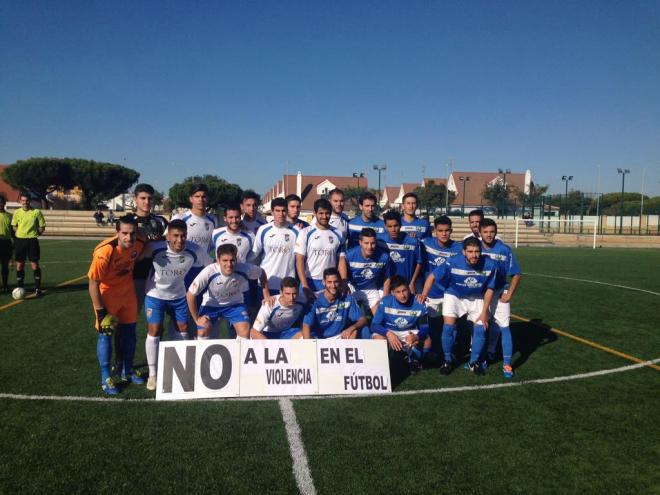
238 242
182 259
206 225
396 257
368 273
287 237
439 261
331 240
332 316
401 322
472 282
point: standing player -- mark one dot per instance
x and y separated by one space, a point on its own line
334 315
402 321
317 248
293 205
280 319
404 251
338 219
6 235
277 242
474 219
113 298
166 290
234 233
369 269
500 308
222 286
469 282
252 219
367 219
411 224
28 224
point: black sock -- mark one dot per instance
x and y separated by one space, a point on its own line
20 277
5 274
37 278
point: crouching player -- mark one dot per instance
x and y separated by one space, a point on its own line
277 320
113 298
403 322
469 282
334 315
500 308
224 285
165 287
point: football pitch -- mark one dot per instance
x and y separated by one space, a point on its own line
580 416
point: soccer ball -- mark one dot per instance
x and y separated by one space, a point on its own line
18 293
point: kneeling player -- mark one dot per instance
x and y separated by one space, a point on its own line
277 319
223 285
469 282
334 315
165 287
403 322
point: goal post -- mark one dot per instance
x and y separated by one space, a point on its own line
576 226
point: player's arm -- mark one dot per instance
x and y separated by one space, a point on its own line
488 298
508 295
41 223
351 331
260 322
430 280
418 270
342 266
191 299
300 270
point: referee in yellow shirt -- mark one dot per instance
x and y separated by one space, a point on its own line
28 224
6 248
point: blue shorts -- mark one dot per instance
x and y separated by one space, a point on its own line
155 309
235 314
283 335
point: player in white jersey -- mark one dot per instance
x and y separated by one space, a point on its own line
281 317
474 219
222 286
171 260
277 241
293 206
318 247
252 219
200 223
234 233
338 219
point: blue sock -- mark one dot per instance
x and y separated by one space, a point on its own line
415 353
493 337
128 341
478 341
104 352
426 350
448 339
507 345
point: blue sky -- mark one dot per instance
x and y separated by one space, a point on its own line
241 89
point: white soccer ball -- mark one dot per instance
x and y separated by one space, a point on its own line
18 293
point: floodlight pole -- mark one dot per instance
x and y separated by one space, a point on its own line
623 172
358 177
380 168
464 180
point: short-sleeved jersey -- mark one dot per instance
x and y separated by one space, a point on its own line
112 265
395 316
435 254
369 273
339 222
507 264
355 226
418 228
327 319
200 230
28 223
277 245
5 225
224 290
243 240
405 252
458 278
275 317
169 269
152 228
321 248
299 224
254 224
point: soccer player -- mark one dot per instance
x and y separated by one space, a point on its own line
252 219
222 285
474 219
411 224
404 251
277 319
369 269
113 298
277 241
367 219
469 282
234 233
402 321
28 224
334 315
172 259
317 248
338 219
500 308
6 235
293 205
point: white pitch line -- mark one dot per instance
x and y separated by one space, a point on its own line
446 390
298 455
593 282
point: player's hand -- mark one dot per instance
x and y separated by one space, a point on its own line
108 324
413 291
484 319
412 339
422 298
203 321
268 300
349 333
394 341
505 297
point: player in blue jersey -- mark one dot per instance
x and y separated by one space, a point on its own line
469 282
366 219
281 316
171 260
411 224
334 315
293 206
369 269
234 233
500 308
402 320
252 219
405 251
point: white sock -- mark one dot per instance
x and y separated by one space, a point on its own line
184 335
199 337
151 348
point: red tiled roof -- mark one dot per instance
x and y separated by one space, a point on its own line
478 180
9 192
436 180
409 187
308 187
392 193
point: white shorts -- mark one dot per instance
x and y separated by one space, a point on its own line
453 306
434 307
501 312
370 296
402 334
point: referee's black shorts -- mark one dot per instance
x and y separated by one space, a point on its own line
26 248
6 250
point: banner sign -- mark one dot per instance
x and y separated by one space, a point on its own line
231 368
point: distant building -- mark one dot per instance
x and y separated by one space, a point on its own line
9 192
477 183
